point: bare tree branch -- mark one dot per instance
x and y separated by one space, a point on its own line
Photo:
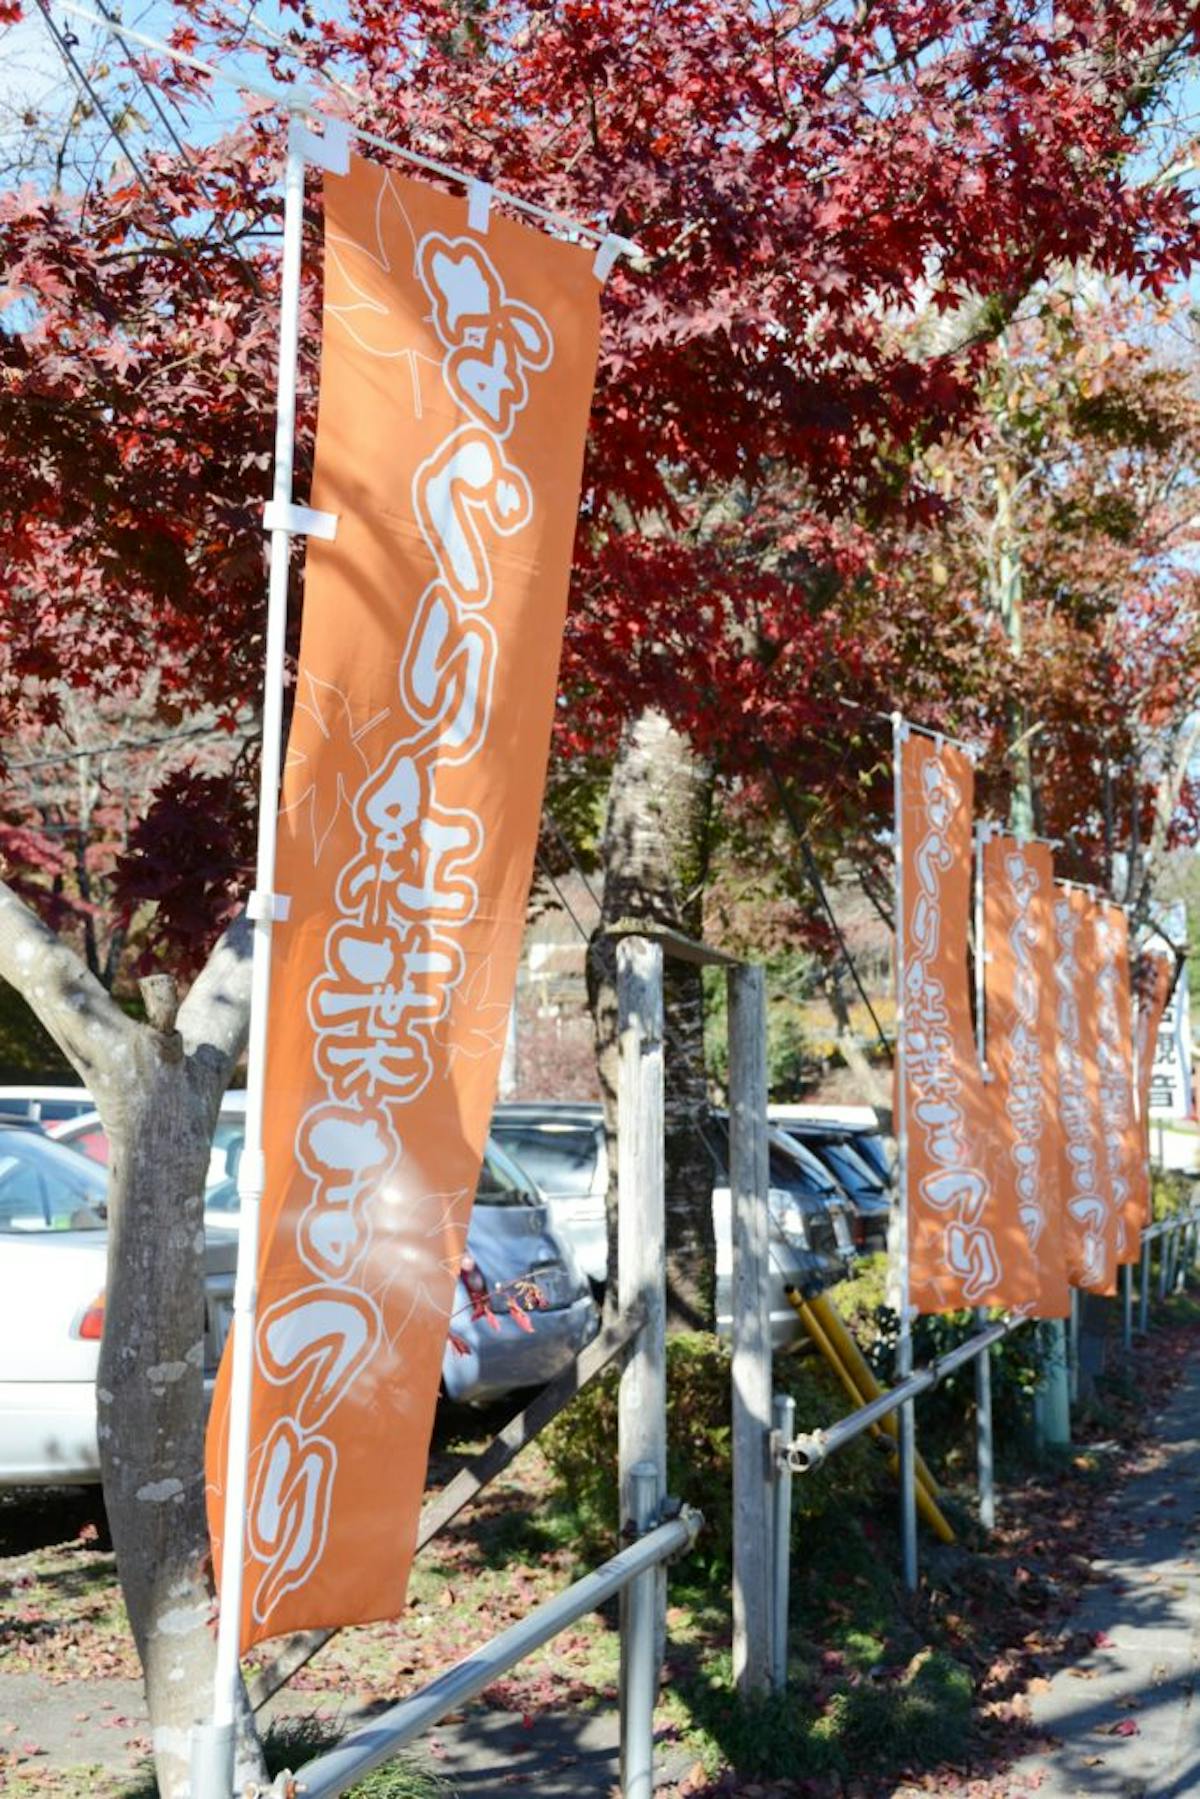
214 1019
93 1033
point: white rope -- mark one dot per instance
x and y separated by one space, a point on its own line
297 100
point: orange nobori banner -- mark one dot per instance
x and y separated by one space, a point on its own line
1018 881
1089 1215
960 1250
1125 1162
456 382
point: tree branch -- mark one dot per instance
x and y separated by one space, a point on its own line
87 1024
214 1019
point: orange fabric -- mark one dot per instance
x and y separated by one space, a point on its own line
455 389
1090 1220
1126 1164
960 1250
1018 881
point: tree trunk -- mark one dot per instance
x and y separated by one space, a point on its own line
158 1089
656 843
875 1086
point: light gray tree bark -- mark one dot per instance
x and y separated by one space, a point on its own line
656 853
158 1088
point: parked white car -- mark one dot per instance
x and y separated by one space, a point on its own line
53 1269
47 1106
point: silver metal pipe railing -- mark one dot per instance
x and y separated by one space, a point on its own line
377 1742
811 1448
800 1454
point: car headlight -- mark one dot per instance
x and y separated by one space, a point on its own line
788 1216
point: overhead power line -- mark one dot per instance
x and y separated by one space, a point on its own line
167 123
65 44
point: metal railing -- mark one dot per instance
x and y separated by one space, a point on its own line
633 1571
799 1454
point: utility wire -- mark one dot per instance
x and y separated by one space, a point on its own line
65 45
563 901
565 844
670 1035
169 127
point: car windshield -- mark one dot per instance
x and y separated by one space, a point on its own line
560 1157
45 1187
502 1183
796 1168
789 1165
226 1151
850 1167
869 1145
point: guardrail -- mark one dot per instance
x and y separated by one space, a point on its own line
791 1454
633 1572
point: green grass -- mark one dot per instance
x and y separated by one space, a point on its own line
294 1741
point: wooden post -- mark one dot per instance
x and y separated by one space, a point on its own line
641 1254
748 1180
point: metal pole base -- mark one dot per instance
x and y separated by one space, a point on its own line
639 1659
212 1760
1052 1405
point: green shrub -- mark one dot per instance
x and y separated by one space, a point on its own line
922 1718
581 1448
887 1719
1171 1192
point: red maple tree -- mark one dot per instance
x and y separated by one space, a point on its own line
839 211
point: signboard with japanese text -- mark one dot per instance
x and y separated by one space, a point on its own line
963 1243
456 381
1120 1128
1090 1216
1170 1094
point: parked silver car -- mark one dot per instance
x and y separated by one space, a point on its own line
53 1270
522 1306
561 1145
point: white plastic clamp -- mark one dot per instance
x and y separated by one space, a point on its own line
301 521
606 256
479 206
330 150
274 906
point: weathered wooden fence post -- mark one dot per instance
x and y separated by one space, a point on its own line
748 1180
641 1277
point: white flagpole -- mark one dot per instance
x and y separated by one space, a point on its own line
983 832
907 1422
214 1745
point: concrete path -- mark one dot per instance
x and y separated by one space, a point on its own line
478 1751
1125 1716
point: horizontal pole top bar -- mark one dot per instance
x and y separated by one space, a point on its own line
302 101
673 943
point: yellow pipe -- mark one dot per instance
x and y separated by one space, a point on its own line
817 1327
927 1506
835 1328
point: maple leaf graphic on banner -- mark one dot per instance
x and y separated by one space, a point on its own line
420 1269
325 710
478 1024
